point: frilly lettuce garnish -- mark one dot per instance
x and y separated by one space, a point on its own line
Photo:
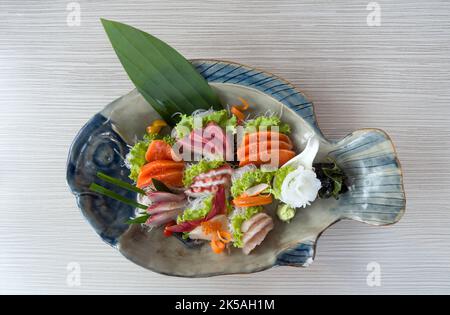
220 117
250 179
237 218
197 212
135 159
267 122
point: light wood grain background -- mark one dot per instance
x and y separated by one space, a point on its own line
53 78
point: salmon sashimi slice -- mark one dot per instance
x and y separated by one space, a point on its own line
158 150
261 136
170 178
265 158
156 168
252 149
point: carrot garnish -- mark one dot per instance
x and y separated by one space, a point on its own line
245 105
217 246
236 112
224 237
219 237
252 201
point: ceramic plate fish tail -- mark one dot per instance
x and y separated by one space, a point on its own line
376 195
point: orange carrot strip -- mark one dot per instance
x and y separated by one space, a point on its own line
224 237
217 246
245 105
252 201
236 112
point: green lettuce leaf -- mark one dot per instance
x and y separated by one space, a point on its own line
196 213
202 166
169 140
236 223
184 126
279 178
136 157
220 117
267 122
250 179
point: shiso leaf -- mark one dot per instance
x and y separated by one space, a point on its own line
168 82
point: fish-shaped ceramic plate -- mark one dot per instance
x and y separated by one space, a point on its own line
367 156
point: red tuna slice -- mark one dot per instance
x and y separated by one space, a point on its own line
217 142
182 227
219 206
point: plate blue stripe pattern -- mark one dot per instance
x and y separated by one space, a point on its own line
300 256
233 73
97 147
376 193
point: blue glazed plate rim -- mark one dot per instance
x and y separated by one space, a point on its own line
314 123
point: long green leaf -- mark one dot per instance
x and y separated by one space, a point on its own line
109 193
120 183
164 77
139 220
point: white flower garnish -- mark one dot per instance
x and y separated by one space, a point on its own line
300 187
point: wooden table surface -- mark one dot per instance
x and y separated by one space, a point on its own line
396 76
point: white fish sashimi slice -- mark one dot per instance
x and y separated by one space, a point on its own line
254 219
255 229
257 239
198 234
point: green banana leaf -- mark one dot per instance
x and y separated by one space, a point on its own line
164 77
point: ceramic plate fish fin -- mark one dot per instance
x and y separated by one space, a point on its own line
376 194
